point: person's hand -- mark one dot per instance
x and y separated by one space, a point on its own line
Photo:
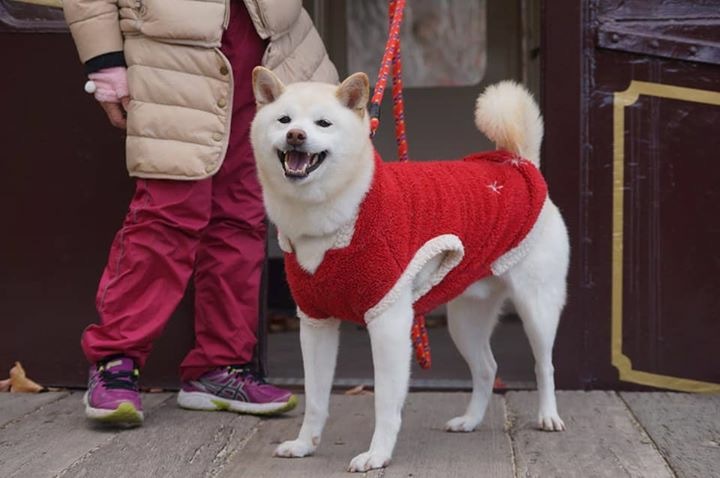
116 112
109 86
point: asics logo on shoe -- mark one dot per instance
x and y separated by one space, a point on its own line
229 389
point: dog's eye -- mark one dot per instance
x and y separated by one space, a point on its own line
323 123
284 119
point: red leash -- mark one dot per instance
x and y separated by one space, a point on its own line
391 59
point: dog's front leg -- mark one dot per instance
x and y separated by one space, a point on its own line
319 344
391 350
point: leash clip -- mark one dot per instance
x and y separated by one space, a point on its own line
374 112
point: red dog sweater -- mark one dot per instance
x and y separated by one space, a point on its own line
473 214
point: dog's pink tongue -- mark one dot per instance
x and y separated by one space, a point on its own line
296 160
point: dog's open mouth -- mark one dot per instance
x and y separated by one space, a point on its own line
299 164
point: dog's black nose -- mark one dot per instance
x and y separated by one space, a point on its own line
296 137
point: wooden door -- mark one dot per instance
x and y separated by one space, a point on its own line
632 104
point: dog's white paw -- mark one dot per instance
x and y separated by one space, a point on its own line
463 423
369 461
294 449
551 422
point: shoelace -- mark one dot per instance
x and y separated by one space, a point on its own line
247 374
126 379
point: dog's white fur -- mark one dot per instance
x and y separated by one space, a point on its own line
313 215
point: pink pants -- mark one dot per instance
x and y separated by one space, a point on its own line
213 228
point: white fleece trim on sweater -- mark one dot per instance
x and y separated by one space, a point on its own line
505 262
449 246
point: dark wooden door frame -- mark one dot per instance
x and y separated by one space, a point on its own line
565 155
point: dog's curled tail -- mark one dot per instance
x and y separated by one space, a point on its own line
508 115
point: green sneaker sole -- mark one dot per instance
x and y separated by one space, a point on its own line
124 414
213 403
291 403
252 409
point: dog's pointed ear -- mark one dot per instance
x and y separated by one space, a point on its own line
354 92
266 86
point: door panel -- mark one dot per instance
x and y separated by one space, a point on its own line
641 197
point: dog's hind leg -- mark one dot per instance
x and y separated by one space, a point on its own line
391 351
471 319
538 288
319 343
540 317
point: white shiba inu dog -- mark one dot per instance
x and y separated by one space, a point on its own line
318 170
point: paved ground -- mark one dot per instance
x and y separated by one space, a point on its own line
609 435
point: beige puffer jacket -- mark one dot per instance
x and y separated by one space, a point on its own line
181 85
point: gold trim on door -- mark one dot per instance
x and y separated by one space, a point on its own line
621 361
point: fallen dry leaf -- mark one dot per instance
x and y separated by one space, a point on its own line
20 383
359 390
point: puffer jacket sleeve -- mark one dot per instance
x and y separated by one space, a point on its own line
300 55
273 18
326 71
95 26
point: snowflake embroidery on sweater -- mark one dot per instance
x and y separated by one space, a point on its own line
495 187
516 161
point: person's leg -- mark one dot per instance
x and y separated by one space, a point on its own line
232 248
230 259
151 260
150 263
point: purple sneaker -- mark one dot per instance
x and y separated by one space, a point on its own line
112 395
235 389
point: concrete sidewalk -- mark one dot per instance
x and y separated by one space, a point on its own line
609 435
